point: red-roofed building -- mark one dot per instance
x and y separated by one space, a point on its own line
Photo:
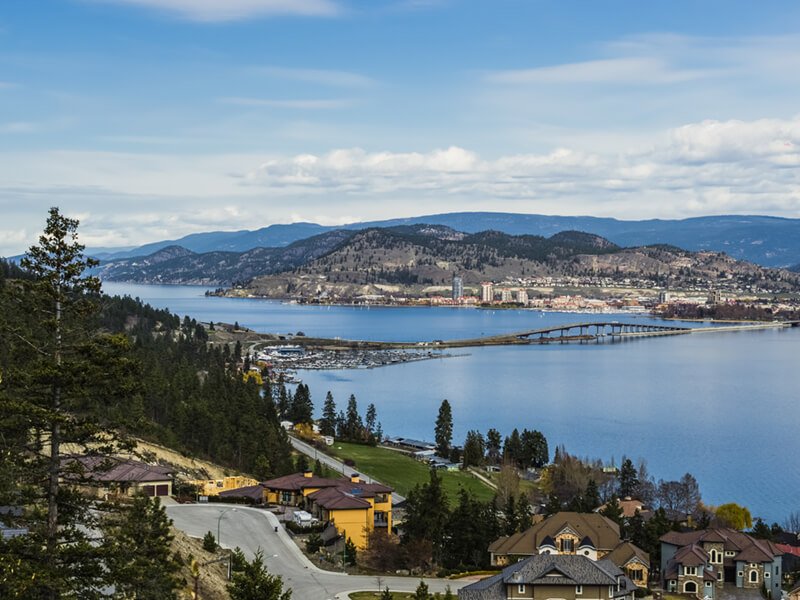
104 476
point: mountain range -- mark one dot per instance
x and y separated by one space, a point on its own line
418 259
768 241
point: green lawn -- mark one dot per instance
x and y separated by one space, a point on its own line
403 472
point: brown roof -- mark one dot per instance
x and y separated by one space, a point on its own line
747 548
603 532
626 552
107 469
297 482
336 499
255 492
691 556
629 507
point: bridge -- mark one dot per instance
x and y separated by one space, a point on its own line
587 331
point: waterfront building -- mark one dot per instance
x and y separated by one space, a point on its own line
487 291
505 295
522 297
458 287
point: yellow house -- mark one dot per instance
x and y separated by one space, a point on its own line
354 507
212 487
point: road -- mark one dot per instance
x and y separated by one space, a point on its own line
336 465
252 529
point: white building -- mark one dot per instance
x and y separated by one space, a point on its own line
487 291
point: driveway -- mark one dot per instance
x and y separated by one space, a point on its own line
252 529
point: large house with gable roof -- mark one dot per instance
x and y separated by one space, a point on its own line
566 577
702 562
353 506
591 535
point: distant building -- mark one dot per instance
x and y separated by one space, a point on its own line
487 291
458 287
714 297
522 297
505 295
106 476
664 296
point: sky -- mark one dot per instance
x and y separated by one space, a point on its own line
152 119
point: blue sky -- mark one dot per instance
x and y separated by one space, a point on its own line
151 119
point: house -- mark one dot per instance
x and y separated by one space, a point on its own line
354 507
569 533
702 562
562 576
213 487
105 475
630 506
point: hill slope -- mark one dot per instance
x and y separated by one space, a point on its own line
769 241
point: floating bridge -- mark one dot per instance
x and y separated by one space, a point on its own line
598 330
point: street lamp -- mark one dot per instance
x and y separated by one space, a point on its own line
219 521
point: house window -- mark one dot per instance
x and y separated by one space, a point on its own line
708 584
777 570
766 574
714 556
521 588
566 544
690 587
753 576
690 570
740 574
578 590
720 576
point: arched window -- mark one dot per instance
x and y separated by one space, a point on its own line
690 587
753 576
715 557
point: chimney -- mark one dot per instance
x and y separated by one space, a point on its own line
354 478
308 474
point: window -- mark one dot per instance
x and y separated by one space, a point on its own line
611 591
690 570
720 576
566 544
753 577
521 588
690 587
777 570
708 584
578 590
714 556
740 574
766 574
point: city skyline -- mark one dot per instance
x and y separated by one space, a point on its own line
150 120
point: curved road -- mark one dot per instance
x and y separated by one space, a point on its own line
252 529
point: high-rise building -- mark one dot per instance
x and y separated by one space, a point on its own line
458 287
505 295
487 291
522 297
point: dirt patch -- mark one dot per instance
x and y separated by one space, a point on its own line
213 578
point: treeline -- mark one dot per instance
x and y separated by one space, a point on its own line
736 311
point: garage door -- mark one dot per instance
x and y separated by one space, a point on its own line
149 490
162 490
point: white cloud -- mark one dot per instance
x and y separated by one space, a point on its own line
308 104
642 70
317 76
709 167
235 10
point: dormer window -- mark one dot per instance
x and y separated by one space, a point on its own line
578 590
521 588
567 544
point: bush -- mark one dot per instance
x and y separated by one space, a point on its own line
209 542
314 543
299 529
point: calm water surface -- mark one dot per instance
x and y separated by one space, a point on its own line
723 406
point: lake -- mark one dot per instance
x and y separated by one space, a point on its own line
722 406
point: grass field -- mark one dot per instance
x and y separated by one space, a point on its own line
403 472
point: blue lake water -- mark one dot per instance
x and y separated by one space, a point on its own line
723 406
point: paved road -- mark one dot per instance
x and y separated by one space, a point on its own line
336 465
252 529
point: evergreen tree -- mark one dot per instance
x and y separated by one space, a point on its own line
140 563
524 517
510 516
354 427
427 514
209 542
350 553
327 424
553 505
59 377
421 592
443 432
301 409
613 510
474 448
255 583
386 594
493 445
628 479
370 418
591 497
512 449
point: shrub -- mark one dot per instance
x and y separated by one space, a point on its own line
209 542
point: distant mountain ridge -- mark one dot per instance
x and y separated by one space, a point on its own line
768 241
415 259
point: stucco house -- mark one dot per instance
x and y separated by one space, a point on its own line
106 476
562 576
702 562
354 507
569 533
